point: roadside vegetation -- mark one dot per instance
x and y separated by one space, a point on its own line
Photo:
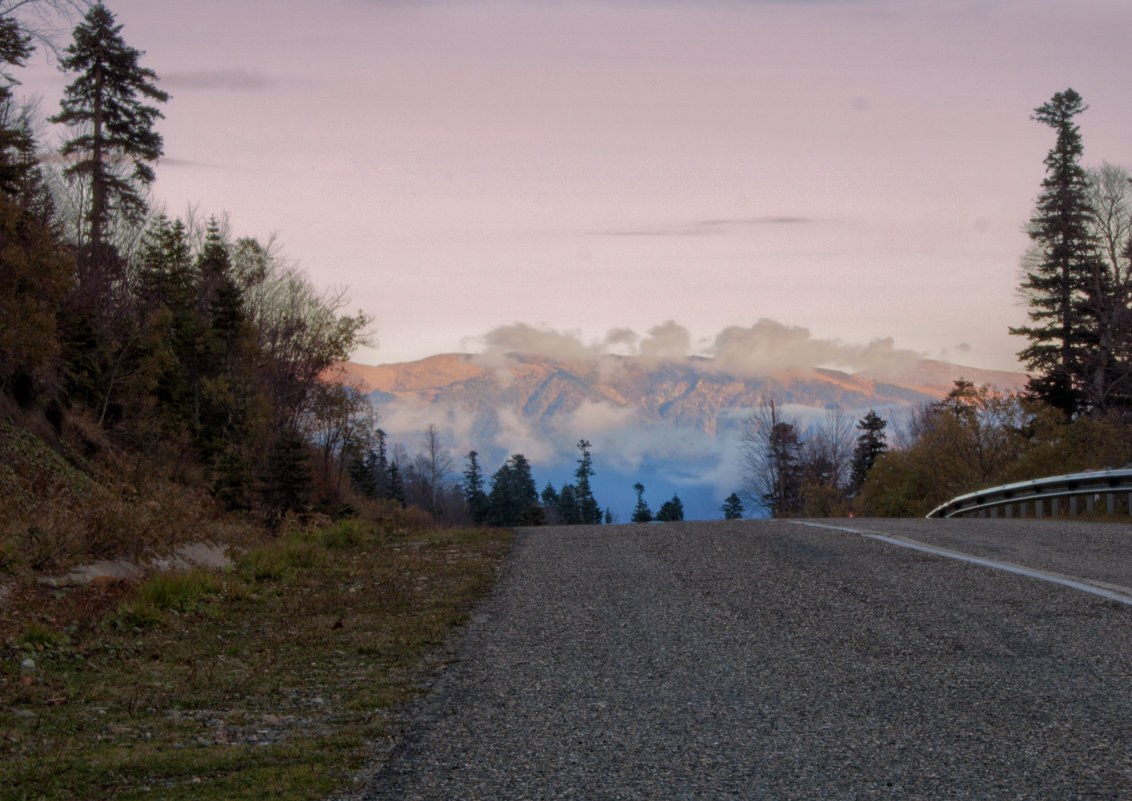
276 678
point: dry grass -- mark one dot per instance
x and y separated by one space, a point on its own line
275 679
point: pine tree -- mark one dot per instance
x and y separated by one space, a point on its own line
870 445
567 506
732 507
671 511
396 485
472 488
286 479
641 513
377 462
15 47
513 500
106 108
1064 278
588 509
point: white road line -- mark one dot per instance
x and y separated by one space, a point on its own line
1111 592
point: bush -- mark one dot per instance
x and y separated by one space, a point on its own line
343 535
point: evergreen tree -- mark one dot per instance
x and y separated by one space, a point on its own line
569 511
377 462
783 496
396 485
870 445
671 511
17 150
732 507
588 509
361 476
641 513
1064 282
513 500
473 492
286 478
106 108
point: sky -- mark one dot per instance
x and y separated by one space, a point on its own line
857 171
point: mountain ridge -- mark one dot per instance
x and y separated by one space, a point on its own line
683 391
674 425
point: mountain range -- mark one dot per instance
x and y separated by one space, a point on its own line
672 424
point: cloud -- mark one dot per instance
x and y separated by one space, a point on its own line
522 339
516 435
667 341
745 352
711 227
592 418
235 80
769 345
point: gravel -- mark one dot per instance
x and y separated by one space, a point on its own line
758 659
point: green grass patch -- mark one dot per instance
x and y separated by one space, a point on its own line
271 680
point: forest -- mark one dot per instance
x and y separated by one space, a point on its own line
160 375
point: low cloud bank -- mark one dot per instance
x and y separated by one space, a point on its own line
745 352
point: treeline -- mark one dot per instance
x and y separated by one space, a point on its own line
792 470
165 348
1076 411
510 497
976 437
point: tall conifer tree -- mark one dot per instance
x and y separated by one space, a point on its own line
106 106
1064 276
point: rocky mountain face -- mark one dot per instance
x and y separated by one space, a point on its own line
674 425
688 394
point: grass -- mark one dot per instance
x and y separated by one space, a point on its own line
274 679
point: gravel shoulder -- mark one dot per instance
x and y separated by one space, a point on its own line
759 659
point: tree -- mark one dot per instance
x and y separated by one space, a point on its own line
671 511
732 507
870 445
588 509
106 108
569 511
513 500
286 477
1064 283
825 465
35 277
436 465
472 488
641 513
974 438
771 450
15 47
1110 201
396 485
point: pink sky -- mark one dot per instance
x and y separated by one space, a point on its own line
860 169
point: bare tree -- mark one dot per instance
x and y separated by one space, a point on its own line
771 453
436 465
1110 199
828 449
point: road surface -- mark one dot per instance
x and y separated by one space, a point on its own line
772 660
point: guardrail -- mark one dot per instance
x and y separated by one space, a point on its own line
1091 486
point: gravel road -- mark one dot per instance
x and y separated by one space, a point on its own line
767 660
